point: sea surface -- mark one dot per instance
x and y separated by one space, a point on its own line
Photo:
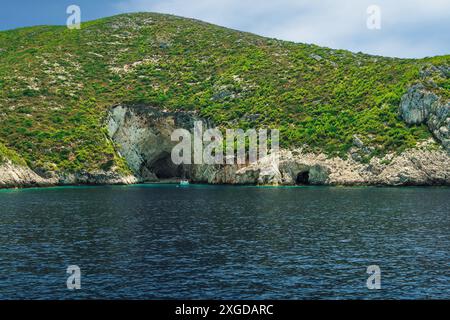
225 242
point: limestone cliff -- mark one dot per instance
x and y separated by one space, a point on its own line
142 135
20 176
422 105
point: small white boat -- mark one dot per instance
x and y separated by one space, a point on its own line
184 183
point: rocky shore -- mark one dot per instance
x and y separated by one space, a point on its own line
142 135
17 176
414 167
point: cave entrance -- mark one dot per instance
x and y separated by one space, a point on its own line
303 178
164 168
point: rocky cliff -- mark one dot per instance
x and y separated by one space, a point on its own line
142 135
421 105
143 138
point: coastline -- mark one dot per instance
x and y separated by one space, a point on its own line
195 185
29 186
421 166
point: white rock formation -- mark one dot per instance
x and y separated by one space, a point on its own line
143 137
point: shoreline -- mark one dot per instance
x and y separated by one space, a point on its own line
416 167
194 185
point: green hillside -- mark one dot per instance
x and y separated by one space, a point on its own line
56 85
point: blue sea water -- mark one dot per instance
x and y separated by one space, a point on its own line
225 242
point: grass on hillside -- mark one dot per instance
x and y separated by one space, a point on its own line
57 84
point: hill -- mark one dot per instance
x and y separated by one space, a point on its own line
58 84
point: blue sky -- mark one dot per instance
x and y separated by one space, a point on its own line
409 28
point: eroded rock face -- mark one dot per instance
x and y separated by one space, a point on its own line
417 104
421 105
143 138
12 175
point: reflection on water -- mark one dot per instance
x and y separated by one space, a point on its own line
154 242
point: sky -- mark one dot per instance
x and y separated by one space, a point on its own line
408 28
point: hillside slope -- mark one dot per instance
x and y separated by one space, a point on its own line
58 84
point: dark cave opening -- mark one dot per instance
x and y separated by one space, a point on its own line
303 178
164 168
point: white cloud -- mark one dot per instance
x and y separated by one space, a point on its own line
410 28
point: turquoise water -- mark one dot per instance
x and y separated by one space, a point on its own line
223 242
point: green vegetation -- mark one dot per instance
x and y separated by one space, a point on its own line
57 84
9 155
